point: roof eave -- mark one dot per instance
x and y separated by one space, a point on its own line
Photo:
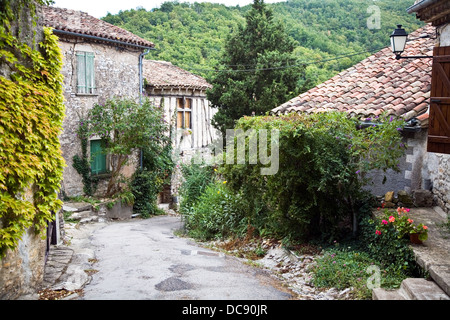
117 42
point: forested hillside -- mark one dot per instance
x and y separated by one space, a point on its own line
331 35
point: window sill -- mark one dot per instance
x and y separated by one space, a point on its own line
102 175
87 94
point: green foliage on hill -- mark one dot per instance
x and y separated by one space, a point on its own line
192 35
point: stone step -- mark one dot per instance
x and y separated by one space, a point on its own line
412 289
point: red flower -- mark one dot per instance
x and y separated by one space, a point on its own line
378 232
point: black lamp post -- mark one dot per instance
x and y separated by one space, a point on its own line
398 42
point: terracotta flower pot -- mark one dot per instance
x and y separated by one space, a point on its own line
414 238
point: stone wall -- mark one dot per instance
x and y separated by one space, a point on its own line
22 270
438 171
411 175
116 75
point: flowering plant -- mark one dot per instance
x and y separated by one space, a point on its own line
402 223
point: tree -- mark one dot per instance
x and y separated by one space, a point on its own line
124 127
254 74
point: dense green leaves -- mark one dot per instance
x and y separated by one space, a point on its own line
256 81
323 159
31 114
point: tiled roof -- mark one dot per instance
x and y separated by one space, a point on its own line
163 74
82 23
377 84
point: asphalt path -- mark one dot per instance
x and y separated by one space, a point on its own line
143 259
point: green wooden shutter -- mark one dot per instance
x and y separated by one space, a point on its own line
98 159
81 72
85 72
90 81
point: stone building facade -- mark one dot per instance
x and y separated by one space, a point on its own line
100 62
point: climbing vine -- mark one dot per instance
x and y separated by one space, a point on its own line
82 164
31 114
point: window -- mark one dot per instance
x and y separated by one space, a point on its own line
98 158
85 72
184 111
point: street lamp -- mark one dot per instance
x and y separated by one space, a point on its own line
398 42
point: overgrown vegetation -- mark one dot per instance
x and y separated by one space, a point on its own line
31 114
124 127
316 195
82 164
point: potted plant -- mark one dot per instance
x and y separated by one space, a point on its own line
418 234
403 225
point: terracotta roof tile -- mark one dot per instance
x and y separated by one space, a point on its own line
163 74
376 84
84 24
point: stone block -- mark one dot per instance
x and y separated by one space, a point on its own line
404 198
389 196
119 211
423 198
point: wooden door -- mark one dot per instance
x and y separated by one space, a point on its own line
439 121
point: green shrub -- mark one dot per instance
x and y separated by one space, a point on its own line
196 177
145 186
216 214
323 159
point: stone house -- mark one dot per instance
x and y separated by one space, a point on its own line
183 96
378 84
100 61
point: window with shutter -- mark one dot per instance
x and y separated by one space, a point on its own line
98 158
439 119
184 113
85 72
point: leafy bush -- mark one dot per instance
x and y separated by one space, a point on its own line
196 177
216 214
145 186
323 159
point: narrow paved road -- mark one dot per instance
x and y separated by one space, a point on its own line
143 259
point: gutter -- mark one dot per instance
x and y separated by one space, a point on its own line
141 74
88 36
420 5
141 91
411 126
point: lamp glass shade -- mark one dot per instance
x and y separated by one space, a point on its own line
398 40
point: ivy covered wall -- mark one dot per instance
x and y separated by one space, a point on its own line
31 164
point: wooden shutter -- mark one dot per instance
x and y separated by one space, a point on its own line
81 72
439 120
85 72
98 159
90 80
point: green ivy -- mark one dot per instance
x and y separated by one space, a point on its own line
82 164
31 114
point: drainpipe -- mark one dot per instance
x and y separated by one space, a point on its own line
141 89
141 76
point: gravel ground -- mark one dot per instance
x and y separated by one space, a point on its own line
289 266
